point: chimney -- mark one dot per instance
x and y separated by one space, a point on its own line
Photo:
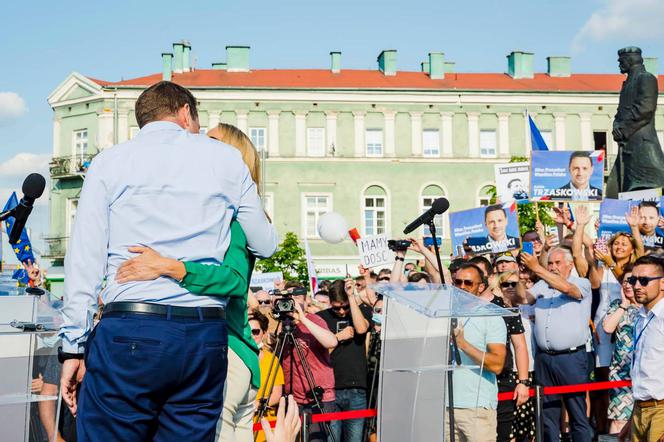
186 57
650 64
167 66
335 62
178 50
436 64
520 64
387 62
219 66
559 66
425 66
448 67
237 58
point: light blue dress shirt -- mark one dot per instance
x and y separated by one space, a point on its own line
561 322
167 189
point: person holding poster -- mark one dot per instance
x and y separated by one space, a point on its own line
580 170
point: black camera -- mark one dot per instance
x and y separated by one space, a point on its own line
398 245
284 304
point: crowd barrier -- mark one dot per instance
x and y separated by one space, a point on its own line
534 392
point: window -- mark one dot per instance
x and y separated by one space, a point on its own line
430 143
268 205
374 211
257 136
487 143
485 195
316 141
315 205
72 206
547 135
429 195
133 131
374 142
80 142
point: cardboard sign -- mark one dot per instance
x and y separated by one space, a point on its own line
265 280
641 195
567 175
374 251
491 229
512 181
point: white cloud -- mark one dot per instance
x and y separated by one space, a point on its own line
11 106
25 163
626 20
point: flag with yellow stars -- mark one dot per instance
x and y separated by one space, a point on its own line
23 247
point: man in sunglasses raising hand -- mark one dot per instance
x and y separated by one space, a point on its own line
648 359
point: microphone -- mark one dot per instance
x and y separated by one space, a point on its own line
440 205
33 188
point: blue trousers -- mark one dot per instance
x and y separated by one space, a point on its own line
350 399
564 369
152 378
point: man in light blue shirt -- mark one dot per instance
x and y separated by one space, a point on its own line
157 360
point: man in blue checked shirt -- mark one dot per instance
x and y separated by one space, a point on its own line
156 362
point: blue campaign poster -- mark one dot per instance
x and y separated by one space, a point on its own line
567 175
490 229
612 217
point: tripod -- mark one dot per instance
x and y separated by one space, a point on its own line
285 327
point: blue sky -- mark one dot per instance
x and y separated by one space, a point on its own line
40 45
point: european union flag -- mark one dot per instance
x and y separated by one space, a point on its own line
536 139
23 248
21 276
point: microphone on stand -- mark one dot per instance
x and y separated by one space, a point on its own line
439 206
33 188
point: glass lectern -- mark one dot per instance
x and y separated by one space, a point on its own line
415 335
29 369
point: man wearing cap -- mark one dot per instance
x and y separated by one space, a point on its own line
640 161
506 262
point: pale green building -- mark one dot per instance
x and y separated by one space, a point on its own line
377 146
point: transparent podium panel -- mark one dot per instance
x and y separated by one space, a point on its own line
29 367
416 356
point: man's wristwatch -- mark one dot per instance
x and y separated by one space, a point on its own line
525 382
63 356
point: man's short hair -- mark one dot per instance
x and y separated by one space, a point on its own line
419 276
567 253
337 291
263 322
580 154
651 260
293 285
476 268
161 100
532 236
652 204
480 261
494 208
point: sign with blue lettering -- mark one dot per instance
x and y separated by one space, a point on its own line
567 175
491 229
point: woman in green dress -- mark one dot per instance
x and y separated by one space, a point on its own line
230 280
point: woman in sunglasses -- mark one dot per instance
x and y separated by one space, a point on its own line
620 320
604 265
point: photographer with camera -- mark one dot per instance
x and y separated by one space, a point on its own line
351 320
315 340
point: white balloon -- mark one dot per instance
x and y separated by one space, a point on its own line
332 228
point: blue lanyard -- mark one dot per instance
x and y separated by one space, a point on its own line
638 337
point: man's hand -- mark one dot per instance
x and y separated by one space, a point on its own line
346 334
298 314
550 242
632 217
626 432
582 216
529 261
416 245
521 394
288 423
148 265
33 271
73 371
37 384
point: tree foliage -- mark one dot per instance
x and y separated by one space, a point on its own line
289 259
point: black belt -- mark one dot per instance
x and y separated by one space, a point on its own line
563 352
163 310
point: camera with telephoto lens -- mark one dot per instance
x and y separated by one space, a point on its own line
284 304
398 245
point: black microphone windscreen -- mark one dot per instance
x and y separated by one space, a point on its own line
33 186
440 205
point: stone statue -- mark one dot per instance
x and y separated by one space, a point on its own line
640 161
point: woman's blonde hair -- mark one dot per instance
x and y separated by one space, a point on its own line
502 277
229 134
632 241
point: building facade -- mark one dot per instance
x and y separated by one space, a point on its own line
376 146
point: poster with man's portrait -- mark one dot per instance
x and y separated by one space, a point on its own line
567 175
612 220
512 181
490 229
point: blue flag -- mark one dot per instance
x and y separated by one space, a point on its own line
536 139
23 248
21 276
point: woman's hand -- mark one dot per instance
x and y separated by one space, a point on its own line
604 257
148 265
632 217
582 216
521 394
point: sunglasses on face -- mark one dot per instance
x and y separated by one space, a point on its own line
510 284
337 308
264 302
255 331
384 278
643 280
464 282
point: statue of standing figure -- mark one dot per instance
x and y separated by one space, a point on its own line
640 161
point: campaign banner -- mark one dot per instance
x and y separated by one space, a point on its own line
567 175
490 229
612 217
374 251
641 195
512 181
265 280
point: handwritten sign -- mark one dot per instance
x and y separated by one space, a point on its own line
374 251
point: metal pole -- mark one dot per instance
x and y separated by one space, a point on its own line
306 425
539 432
